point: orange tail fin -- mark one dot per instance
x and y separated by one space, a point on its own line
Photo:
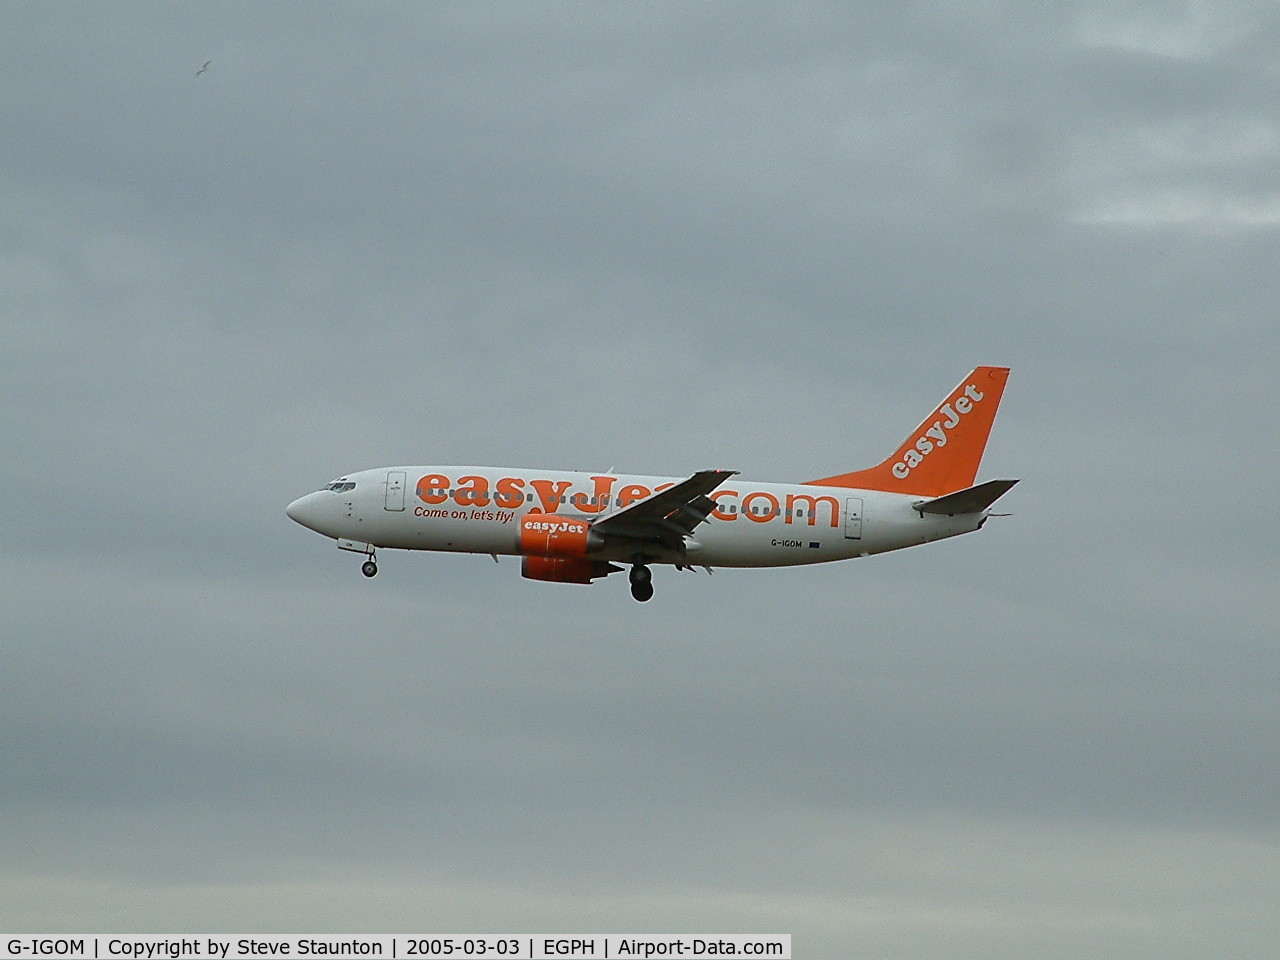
942 454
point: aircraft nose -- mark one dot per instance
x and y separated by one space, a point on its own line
307 511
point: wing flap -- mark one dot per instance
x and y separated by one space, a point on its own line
670 515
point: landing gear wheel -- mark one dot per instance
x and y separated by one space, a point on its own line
641 581
369 568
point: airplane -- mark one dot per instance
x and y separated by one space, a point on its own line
576 527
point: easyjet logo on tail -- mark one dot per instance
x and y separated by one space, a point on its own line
942 454
936 435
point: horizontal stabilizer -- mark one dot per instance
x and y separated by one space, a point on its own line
970 500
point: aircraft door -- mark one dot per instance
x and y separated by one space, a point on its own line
853 518
395 490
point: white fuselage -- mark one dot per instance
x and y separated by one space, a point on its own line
477 510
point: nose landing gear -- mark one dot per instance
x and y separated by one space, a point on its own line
641 581
370 567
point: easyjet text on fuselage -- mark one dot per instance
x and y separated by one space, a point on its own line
474 490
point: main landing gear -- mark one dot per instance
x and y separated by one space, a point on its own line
641 581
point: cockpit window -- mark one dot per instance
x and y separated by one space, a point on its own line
341 486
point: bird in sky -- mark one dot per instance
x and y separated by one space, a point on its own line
204 68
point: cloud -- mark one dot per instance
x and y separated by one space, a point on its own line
660 240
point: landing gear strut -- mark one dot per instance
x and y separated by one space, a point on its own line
641 581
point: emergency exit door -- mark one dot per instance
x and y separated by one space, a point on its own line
395 490
853 518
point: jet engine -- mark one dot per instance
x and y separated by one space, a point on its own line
560 569
551 535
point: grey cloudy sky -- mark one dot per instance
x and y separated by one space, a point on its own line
659 238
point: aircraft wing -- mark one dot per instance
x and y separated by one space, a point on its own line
669 516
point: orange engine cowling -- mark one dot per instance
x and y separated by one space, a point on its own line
551 535
559 569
